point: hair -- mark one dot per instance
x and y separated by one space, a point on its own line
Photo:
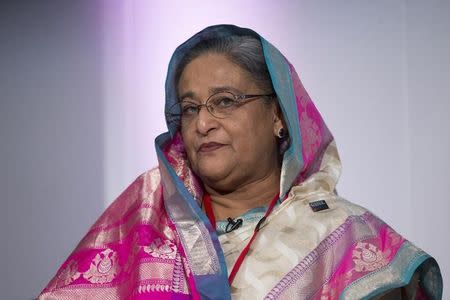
244 51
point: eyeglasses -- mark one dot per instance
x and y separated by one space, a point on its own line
220 105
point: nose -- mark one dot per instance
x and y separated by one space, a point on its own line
205 121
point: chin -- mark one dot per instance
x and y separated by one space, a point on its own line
212 173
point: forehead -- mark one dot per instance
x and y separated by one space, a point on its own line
213 72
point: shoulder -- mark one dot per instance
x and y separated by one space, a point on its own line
369 257
323 208
144 190
143 187
372 257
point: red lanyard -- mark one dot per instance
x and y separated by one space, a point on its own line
212 219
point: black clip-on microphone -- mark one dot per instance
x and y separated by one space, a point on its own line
232 224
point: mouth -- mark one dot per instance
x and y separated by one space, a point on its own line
209 147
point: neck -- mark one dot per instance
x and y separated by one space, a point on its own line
255 193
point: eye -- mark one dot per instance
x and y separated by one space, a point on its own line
223 102
189 109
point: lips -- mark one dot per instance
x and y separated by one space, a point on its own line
209 147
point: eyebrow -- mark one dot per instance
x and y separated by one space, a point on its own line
224 89
211 90
186 95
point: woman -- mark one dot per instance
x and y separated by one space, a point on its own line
243 204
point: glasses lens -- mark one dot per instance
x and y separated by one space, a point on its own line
188 111
222 104
182 112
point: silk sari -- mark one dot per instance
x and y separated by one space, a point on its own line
155 242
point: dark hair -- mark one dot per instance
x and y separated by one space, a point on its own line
244 51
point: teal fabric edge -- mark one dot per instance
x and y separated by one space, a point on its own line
292 121
204 282
172 129
405 275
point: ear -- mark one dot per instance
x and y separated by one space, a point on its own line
278 120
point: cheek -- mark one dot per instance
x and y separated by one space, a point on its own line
188 142
251 136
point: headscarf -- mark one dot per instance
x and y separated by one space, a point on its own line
309 137
307 131
154 240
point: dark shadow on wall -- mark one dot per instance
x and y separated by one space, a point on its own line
51 151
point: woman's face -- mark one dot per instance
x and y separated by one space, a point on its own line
239 149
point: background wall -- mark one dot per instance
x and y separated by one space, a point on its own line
81 101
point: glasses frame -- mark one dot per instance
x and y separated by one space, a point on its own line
240 99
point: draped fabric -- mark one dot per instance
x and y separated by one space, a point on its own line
155 242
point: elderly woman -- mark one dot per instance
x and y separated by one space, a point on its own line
243 203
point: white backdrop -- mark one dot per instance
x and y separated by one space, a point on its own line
379 72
